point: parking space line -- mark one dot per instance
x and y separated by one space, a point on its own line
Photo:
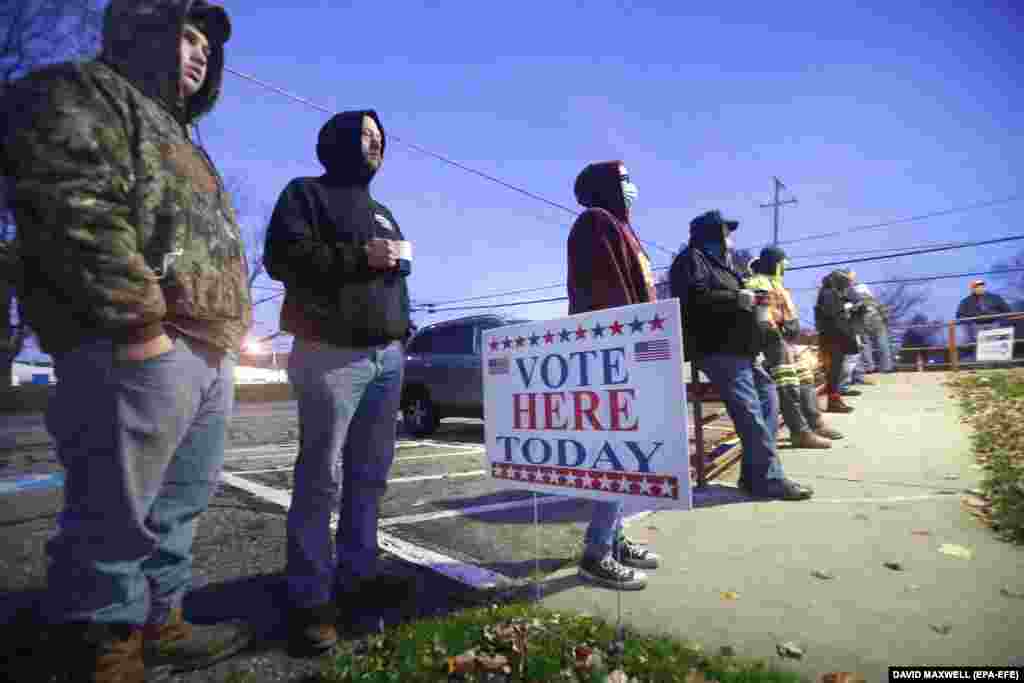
465 573
434 477
408 458
475 510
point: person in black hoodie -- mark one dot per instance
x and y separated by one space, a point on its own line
722 338
343 261
837 334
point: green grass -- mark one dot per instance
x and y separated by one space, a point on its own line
421 651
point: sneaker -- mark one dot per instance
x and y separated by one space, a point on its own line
850 392
182 646
607 572
311 630
633 554
866 382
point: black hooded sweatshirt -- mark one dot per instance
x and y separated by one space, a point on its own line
707 288
830 314
316 246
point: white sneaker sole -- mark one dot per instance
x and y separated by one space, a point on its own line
639 581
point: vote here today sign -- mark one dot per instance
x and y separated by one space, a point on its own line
593 406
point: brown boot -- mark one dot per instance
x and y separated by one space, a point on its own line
824 430
808 439
186 647
837 405
311 630
100 653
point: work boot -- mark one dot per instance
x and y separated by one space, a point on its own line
779 489
836 405
311 630
808 439
185 647
828 432
98 653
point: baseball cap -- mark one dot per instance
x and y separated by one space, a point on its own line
711 219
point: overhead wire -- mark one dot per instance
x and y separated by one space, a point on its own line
422 150
797 289
899 221
912 252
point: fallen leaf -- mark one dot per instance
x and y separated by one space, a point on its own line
1009 593
895 566
941 629
951 477
730 595
790 650
920 532
823 575
860 515
462 664
954 550
492 662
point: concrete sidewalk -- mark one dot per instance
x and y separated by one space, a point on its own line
888 493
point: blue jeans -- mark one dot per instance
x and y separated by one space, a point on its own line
752 402
142 444
348 404
877 338
604 530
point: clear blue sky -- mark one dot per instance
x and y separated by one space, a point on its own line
868 111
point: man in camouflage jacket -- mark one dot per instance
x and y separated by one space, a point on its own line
133 277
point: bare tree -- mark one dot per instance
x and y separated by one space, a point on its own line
33 33
1012 283
253 220
902 301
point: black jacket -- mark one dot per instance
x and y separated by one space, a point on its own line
831 317
316 246
707 290
986 304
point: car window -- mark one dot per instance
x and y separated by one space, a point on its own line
453 339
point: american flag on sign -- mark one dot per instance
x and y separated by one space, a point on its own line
657 349
498 366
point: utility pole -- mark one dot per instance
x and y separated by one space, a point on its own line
775 205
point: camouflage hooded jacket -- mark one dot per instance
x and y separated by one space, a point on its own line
124 225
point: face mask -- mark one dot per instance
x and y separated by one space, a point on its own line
629 191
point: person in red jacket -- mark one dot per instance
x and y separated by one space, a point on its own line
608 268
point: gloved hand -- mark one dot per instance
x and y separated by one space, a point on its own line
745 299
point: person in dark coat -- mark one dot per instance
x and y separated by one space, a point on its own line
980 303
339 252
722 338
608 268
836 334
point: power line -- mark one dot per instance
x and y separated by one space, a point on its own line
912 252
427 152
795 289
911 219
857 252
930 250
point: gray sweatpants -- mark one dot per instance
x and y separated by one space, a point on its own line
142 444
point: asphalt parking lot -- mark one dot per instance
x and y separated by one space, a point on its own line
442 510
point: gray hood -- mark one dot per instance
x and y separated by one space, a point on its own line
141 41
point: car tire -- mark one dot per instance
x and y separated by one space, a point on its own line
420 416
